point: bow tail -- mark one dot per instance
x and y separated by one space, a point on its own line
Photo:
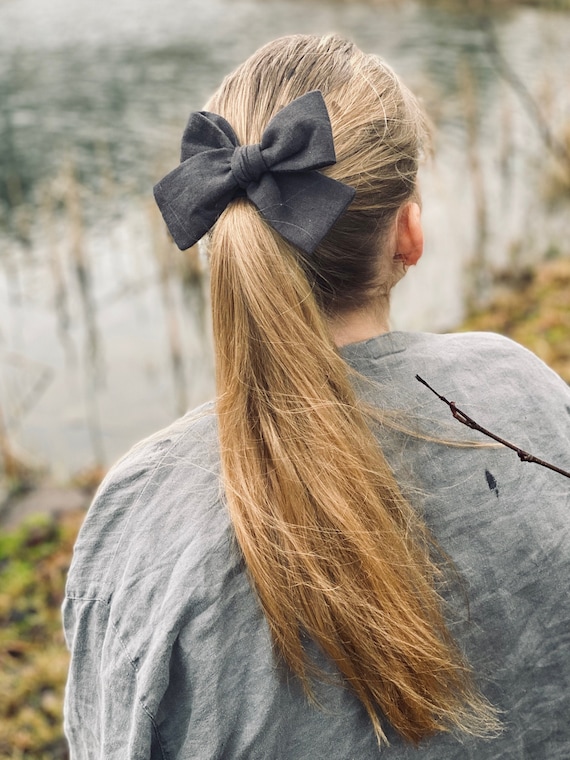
193 196
302 206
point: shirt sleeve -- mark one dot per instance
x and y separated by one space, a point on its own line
106 712
104 716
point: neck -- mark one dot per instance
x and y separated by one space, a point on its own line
360 325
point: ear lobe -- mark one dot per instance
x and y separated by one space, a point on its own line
409 234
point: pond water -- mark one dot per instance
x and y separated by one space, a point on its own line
104 335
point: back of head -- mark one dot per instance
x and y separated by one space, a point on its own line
332 548
379 134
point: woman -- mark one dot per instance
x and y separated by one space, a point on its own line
321 565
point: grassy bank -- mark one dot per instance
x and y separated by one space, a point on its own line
532 306
33 659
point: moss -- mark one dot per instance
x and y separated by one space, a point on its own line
34 561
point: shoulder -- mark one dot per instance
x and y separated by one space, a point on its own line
465 361
494 380
474 363
165 487
474 349
488 367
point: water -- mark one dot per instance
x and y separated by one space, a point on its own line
103 335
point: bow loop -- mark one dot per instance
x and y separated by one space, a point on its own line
206 131
279 175
299 137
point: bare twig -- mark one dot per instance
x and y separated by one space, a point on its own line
460 416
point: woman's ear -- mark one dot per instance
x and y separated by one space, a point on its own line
409 234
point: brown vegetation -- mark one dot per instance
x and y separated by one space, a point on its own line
533 307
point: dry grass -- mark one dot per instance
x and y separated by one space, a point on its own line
533 308
557 174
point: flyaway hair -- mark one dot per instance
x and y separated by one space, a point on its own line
333 549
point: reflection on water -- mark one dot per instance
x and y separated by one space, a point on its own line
103 328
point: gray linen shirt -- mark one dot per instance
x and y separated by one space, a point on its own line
171 656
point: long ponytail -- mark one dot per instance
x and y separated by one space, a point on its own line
333 549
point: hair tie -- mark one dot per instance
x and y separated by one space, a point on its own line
279 175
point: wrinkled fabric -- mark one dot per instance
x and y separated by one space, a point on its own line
170 653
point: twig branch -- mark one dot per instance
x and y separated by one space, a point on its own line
460 416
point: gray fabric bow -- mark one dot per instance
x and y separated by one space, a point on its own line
278 175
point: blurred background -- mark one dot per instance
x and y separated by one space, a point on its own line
104 324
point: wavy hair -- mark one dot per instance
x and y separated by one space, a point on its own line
333 549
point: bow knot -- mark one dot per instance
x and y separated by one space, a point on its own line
248 164
279 175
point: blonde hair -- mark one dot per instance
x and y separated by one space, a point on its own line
333 549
